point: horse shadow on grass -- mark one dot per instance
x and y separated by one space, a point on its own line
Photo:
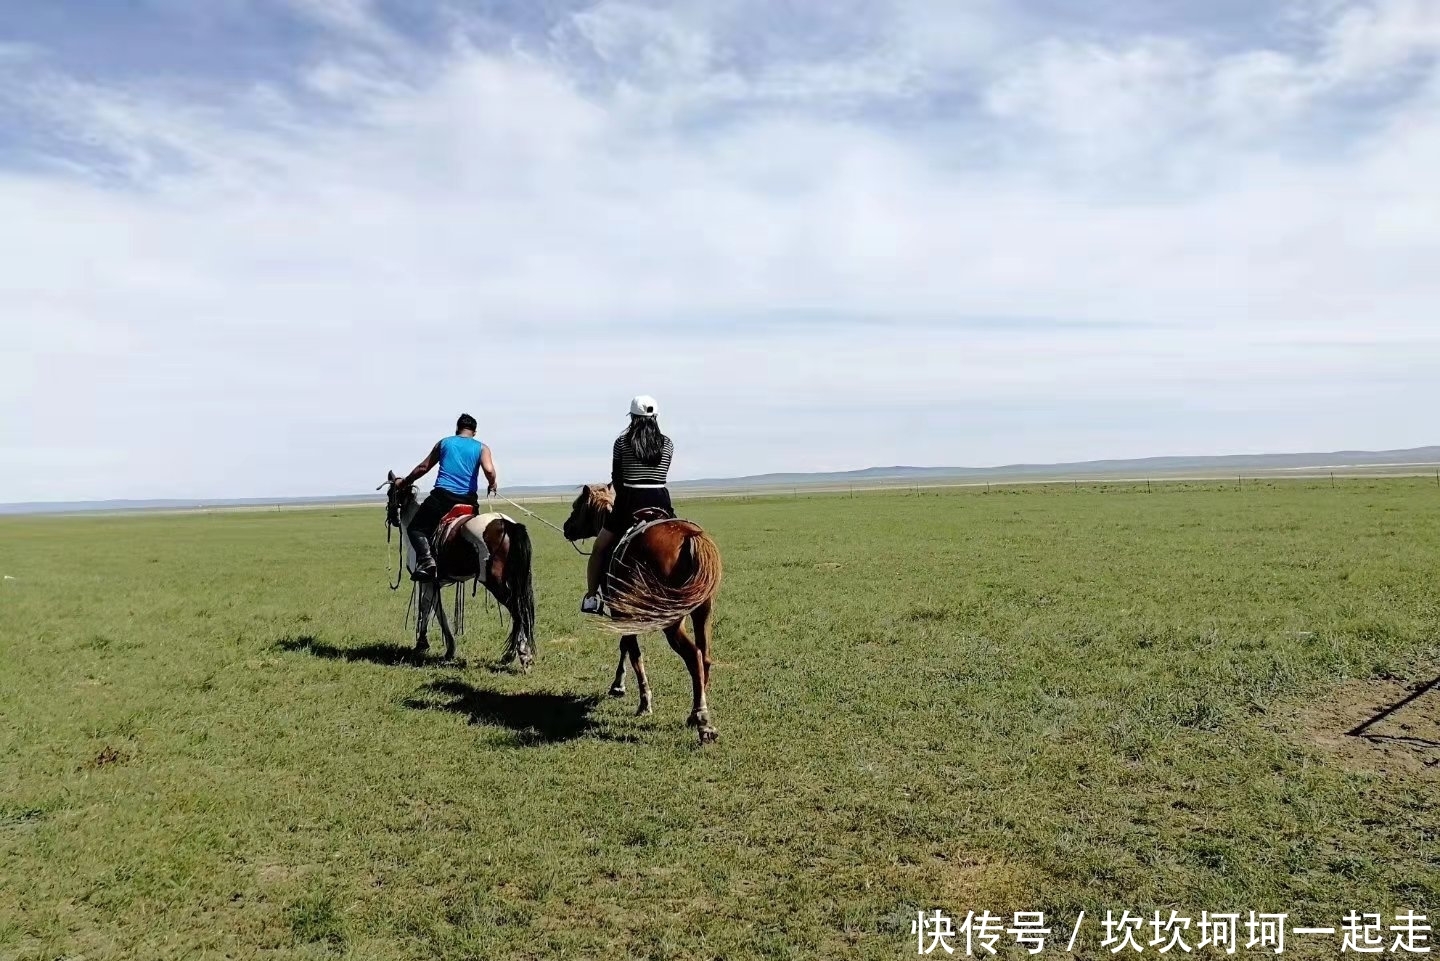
535 717
384 654
389 655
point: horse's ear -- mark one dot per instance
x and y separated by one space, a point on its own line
392 476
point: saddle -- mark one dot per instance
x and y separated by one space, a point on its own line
450 525
650 516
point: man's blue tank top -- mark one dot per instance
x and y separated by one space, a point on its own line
459 465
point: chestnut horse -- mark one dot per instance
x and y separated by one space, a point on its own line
668 571
491 548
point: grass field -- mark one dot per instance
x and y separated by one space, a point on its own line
1036 699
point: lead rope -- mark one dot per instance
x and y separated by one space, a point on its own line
558 530
414 587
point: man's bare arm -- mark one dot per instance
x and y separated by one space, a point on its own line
487 464
422 468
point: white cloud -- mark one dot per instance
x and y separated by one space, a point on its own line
258 296
1163 99
1369 40
354 20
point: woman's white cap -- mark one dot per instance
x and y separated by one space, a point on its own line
644 406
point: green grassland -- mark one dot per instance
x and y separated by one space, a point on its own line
1040 698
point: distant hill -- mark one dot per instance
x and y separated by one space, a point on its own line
1222 465
1143 466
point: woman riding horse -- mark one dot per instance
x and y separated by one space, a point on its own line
639 470
670 570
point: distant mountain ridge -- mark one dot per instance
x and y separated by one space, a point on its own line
1165 464
1133 467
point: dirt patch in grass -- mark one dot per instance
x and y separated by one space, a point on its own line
109 756
960 882
1386 725
273 875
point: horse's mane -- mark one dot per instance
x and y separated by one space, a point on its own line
600 497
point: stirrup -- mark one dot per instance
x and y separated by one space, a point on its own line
592 604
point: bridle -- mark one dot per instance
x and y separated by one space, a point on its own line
392 522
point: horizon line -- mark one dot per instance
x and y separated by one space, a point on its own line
874 472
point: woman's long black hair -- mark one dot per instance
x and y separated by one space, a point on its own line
646 440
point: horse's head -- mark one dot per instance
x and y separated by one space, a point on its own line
589 511
399 501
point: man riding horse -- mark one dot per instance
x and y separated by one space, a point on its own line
461 458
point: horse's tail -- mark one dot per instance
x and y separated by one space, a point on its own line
519 584
641 601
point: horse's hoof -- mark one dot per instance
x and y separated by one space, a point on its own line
617 690
708 734
645 709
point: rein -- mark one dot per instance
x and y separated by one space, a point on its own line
393 520
399 555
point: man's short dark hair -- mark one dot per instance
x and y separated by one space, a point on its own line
466 422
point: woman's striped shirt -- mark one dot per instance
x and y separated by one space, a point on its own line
627 470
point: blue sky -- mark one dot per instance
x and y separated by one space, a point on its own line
273 247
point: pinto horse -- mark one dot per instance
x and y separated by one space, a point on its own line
667 571
490 548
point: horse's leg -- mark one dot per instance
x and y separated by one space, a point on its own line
422 619
701 619
695 663
497 581
444 624
496 589
637 662
518 643
617 689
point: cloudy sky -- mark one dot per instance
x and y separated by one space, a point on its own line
274 247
